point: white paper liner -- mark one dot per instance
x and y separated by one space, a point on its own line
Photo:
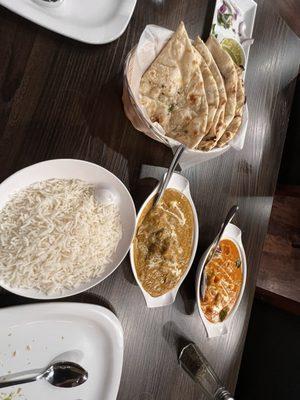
152 40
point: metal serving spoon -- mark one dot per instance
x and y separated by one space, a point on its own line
166 179
231 213
60 374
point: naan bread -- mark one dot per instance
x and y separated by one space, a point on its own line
235 124
172 90
212 94
227 69
211 132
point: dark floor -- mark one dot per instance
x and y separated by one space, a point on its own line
289 173
270 367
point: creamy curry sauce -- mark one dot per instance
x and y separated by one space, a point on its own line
224 280
163 243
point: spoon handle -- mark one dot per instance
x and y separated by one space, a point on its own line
21 381
164 182
231 213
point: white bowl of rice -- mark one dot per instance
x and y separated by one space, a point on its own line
65 226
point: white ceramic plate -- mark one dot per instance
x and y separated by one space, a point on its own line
90 173
31 336
180 183
233 233
90 21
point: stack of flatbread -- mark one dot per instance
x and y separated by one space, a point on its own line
195 91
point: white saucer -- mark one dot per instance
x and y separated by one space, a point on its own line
89 21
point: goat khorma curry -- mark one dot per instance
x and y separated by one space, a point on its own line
224 278
163 242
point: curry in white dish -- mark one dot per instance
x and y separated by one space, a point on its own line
163 243
224 276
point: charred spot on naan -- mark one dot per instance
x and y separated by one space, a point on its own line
192 98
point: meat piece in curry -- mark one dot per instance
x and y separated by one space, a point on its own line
224 280
163 243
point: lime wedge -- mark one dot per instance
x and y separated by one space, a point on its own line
235 50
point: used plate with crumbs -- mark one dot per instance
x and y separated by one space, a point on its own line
31 336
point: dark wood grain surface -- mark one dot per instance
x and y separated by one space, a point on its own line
280 264
60 98
290 11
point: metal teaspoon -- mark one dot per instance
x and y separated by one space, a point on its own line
60 374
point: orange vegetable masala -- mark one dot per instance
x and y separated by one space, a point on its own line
224 280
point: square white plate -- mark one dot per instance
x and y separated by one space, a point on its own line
90 21
31 336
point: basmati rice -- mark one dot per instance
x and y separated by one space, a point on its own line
56 235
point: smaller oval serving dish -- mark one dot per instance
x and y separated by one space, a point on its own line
226 275
165 243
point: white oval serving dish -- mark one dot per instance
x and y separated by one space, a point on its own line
105 182
233 233
180 183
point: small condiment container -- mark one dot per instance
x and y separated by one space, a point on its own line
233 233
181 184
235 50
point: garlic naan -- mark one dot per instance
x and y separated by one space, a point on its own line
235 124
172 90
212 94
228 71
211 132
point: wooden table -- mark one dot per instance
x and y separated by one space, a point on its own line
60 99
